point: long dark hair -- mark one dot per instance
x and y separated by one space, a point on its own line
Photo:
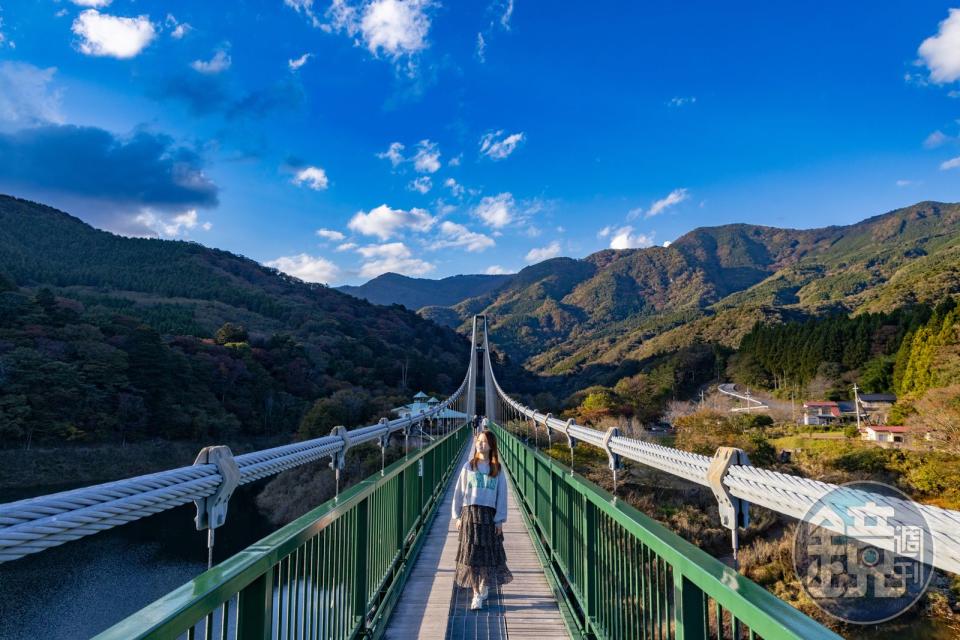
493 456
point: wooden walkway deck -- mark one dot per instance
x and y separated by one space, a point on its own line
432 607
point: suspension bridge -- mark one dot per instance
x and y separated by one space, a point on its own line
377 560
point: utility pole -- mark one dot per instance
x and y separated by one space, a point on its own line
856 404
701 399
793 404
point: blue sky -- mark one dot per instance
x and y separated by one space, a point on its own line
340 140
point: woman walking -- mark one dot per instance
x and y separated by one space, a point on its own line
480 507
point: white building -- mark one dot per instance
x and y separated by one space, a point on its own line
423 403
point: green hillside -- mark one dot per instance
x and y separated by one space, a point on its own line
713 284
108 338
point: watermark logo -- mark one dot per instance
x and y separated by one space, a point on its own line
864 553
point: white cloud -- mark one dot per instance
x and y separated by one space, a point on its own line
427 157
116 37
666 243
26 97
936 139
330 234
395 27
506 15
455 188
606 231
346 246
904 183
306 8
99 4
496 211
497 146
296 63
659 206
425 160
180 29
624 238
306 267
220 61
496 270
540 254
168 226
502 12
342 16
680 101
422 184
442 208
457 235
394 154
455 162
384 222
393 257
952 163
311 177
941 53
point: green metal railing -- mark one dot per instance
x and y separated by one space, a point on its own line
620 574
334 573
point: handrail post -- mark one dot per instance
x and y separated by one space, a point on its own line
590 592
689 619
255 608
212 510
734 512
360 565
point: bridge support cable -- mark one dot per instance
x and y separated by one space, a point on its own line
35 524
786 494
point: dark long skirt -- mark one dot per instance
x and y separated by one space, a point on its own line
480 554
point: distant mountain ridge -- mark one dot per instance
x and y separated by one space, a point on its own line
416 293
712 284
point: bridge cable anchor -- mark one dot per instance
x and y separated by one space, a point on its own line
536 432
338 459
734 512
546 426
212 510
614 462
571 441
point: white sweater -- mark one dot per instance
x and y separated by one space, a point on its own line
478 487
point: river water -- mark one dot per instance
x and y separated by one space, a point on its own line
77 590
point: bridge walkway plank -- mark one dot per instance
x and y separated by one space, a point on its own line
432 607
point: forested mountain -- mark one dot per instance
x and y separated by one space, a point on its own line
713 284
415 293
106 338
